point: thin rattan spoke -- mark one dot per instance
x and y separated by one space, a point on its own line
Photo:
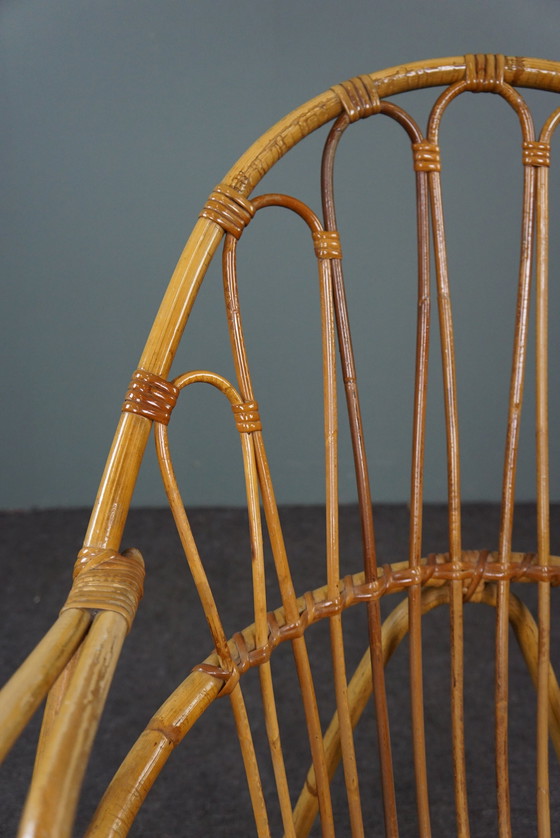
516 101
332 538
271 513
416 501
543 480
261 633
543 499
360 463
250 761
453 467
508 495
454 502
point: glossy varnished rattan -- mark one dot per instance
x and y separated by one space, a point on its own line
75 661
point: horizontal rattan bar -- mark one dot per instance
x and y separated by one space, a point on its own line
480 565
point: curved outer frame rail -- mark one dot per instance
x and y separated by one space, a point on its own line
107 521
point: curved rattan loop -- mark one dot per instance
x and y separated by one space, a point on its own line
550 126
182 522
516 101
361 467
276 199
512 97
248 422
150 396
107 581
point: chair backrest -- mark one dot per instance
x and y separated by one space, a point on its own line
108 584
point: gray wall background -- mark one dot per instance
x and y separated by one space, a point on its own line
119 117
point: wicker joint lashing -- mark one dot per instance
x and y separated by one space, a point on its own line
247 417
105 580
150 396
359 97
426 156
327 244
228 208
536 153
484 73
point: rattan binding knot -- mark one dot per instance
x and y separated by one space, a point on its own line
477 577
359 97
150 396
426 157
327 244
107 581
484 73
229 677
228 208
536 154
247 417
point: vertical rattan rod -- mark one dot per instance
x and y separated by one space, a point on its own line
454 504
453 460
287 592
416 501
261 633
417 469
508 494
249 761
395 628
362 480
332 541
543 500
545 682
299 646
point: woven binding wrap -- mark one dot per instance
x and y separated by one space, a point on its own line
150 396
484 72
327 244
247 418
426 157
228 208
476 568
359 97
536 154
107 581
229 677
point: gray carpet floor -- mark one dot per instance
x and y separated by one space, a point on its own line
202 789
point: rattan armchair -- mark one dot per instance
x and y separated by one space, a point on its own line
74 663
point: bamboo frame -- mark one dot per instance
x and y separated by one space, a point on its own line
79 652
